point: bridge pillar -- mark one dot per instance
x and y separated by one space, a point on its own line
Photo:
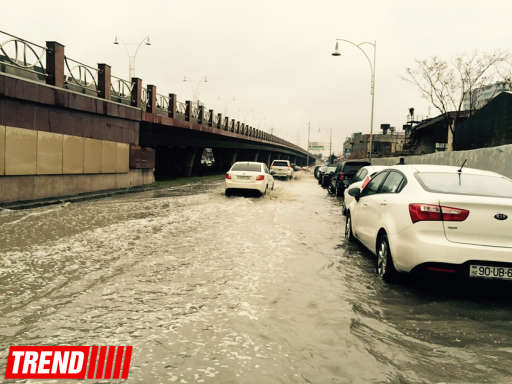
269 159
256 155
104 81
136 96
232 127
151 103
210 118
200 114
192 158
219 120
188 110
171 110
226 123
234 157
55 63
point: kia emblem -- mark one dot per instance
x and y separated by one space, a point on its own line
500 216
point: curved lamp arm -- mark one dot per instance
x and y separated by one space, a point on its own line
358 46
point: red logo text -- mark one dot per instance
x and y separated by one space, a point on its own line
68 362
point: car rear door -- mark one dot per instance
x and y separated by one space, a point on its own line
365 211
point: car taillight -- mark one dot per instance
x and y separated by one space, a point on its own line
260 177
341 176
432 212
228 176
289 167
365 182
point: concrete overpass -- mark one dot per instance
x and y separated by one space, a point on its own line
67 128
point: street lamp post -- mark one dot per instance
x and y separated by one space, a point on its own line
372 80
131 57
307 149
195 90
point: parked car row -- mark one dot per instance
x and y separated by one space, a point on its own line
336 177
427 218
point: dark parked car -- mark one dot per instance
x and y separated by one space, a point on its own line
343 175
326 174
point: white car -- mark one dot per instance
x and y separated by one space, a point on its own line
362 176
431 218
249 175
281 168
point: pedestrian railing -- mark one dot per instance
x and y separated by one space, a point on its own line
120 90
80 77
22 58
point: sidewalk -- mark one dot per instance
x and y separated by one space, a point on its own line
159 184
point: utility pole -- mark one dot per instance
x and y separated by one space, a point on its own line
307 149
330 145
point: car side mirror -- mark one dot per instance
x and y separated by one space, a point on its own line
355 192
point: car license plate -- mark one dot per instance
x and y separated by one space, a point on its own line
490 272
244 177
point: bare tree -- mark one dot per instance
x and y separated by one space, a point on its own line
446 84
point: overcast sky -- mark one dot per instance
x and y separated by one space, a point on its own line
269 62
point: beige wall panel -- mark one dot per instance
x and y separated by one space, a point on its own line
123 158
108 158
73 155
92 155
2 149
49 153
20 151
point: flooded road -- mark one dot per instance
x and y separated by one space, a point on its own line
210 289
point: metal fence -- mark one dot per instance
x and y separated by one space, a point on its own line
80 77
120 90
22 58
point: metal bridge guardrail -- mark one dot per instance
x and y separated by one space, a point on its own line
22 58
162 104
120 90
80 77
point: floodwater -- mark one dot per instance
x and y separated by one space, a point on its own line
210 289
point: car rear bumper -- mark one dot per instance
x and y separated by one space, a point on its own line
411 250
254 185
281 173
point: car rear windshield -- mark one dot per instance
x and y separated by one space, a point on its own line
353 167
280 164
466 184
248 167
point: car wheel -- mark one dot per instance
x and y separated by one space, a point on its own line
348 228
385 268
330 189
227 192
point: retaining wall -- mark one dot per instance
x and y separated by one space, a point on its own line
496 159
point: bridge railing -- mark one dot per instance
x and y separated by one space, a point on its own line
50 65
22 58
162 105
80 77
121 90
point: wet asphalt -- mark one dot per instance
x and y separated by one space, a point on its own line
239 289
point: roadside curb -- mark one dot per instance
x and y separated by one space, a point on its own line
18 205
